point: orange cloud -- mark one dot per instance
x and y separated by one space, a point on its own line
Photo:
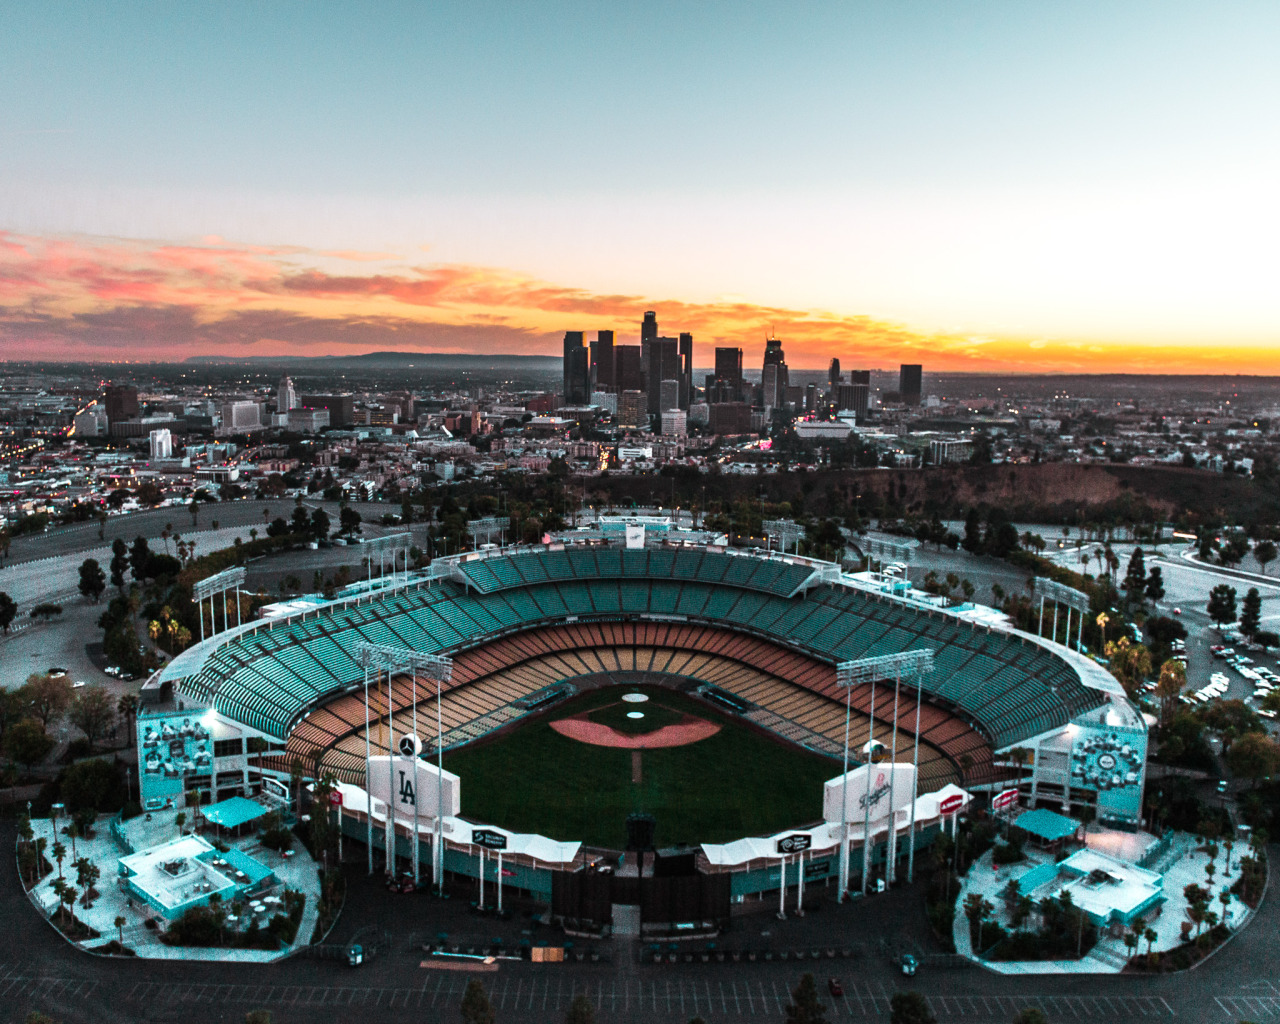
73 298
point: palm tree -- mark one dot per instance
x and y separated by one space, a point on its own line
120 922
59 853
1150 935
127 708
1224 898
73 830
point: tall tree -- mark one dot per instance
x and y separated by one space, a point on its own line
119 562
1264 551
910 1008
47 697
805 1007
1222 604
1154 589
1135 577
581 1011
1169 687
972 541
8 611
139 559
1251 613
92 713
476 1008
93 581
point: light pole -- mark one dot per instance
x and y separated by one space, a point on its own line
441 670
849 674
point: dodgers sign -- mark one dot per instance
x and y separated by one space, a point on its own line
873 791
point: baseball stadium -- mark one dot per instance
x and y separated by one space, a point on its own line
613 720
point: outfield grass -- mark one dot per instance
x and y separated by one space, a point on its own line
736 783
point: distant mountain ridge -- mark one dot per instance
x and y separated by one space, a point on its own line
441 360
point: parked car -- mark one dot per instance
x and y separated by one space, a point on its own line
909 965
835 988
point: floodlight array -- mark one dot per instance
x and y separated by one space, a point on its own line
387 657
1058 593
905 665
225 580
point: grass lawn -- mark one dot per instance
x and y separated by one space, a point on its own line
734 784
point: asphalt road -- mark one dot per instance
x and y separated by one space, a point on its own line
38 970
82 538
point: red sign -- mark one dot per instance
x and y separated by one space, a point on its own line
1006 799
335 798
951 804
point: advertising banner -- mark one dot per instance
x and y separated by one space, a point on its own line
412 796
869 785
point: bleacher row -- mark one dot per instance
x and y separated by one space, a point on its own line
772 576
1011 688
489 680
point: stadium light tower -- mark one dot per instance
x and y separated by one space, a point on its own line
488 528
1060 594
393 542
433 666
219 583
849 674
785 532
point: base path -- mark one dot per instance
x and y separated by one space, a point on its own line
582 729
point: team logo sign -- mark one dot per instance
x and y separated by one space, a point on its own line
876 793
407 795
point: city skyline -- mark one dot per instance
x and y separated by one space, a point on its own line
1005 188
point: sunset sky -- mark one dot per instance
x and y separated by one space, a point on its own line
1032 186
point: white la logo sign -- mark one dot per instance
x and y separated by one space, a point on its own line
406 791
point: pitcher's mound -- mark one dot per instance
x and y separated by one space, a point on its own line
582 729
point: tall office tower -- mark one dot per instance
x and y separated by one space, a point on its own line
286 396
833 373
668 395
604 361
686 370
577 372
648 334
860 377
591 363
854 398
632 406
810 397
728 375
628 371
664 364
341 407
909 380
122 403
773 378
